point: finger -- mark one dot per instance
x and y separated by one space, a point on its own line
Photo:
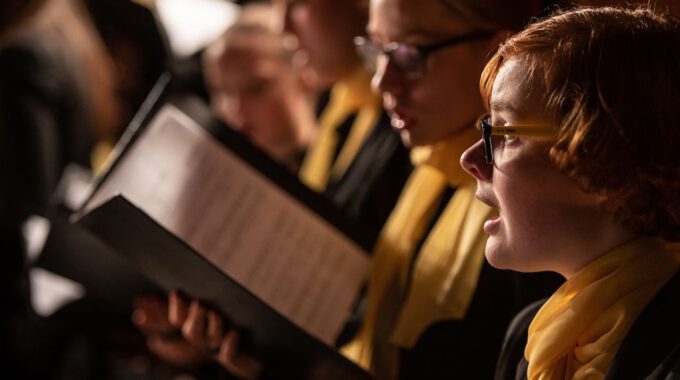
194 327
241 365
177 309
151 315
176 351
215 331
229 347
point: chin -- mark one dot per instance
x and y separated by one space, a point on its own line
411 140
497 261
507 259
406 139
498 256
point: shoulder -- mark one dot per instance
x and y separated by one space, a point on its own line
652 347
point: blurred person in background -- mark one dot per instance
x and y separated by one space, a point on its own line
139 53
60 94
436 309
355 159
57 96
255 89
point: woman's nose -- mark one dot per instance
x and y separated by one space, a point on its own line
387 78
473 161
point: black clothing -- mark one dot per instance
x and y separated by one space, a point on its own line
371 186
651 350
42 129
468 349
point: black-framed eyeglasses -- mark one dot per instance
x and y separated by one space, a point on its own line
409 58
488 131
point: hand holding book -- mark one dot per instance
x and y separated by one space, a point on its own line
205 328
151 317
186 333
192 214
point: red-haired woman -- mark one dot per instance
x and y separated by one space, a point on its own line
579 156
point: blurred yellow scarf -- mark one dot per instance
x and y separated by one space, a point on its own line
347 97
577 333
445 273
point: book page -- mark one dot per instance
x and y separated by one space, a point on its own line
243 223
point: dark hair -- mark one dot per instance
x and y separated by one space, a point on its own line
612 84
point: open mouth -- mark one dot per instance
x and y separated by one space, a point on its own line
492 224
400 121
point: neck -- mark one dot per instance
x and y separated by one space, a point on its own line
594 240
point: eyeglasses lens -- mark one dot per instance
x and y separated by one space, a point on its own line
408 59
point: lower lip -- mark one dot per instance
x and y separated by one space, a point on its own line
492 225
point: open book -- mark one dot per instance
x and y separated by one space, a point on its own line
192 214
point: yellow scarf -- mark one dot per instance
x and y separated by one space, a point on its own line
350 96
445 273
576 334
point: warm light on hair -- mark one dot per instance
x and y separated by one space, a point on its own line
611 82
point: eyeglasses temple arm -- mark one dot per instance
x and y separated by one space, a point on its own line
523 130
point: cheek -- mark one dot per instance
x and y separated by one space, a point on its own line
222 108
539 206
459 95
303 27
449 95
314 24
529 192
523 242
274 118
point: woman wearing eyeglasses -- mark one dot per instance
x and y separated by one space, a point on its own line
435 310
595 198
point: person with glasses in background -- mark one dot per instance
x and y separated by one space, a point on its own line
435 309
579 159
355 159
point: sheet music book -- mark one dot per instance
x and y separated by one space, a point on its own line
192 214
75 253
